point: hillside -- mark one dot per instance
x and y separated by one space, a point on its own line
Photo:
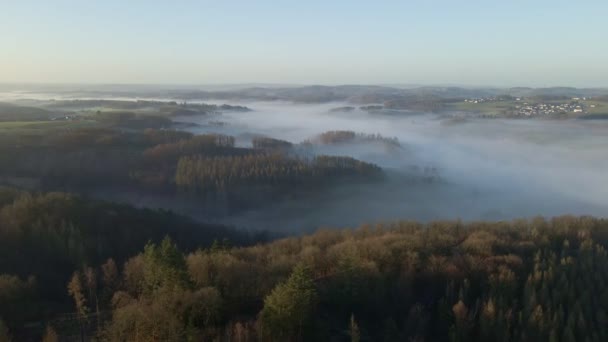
530 280
10 112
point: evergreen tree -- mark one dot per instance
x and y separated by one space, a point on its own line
288 309
163 265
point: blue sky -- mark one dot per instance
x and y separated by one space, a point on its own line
503 43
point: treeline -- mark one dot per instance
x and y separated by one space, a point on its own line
525 280
74 159
267 143
208 144
44 237
132 120
10 112
158 166
326 138
203 174
343 137
159 161
430 103
162 107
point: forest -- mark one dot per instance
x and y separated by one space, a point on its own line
303 171
117 273
116 153
345 137
78 266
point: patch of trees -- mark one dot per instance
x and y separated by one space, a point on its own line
185 112
429 103
232 108
10 112
188 109
132 120
373 97
76 230
204 174
208 144
154 161
77 158
171 107
336 137
165 136
90 157
88 137
113 104
159 163
267 143
345 109
45 237
371 108
525 280
344 137
87 160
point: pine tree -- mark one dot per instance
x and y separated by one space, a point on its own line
164 265
289 307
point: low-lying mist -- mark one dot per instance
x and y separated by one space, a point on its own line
490 169
446 166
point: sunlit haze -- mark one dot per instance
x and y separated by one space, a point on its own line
501 43
300 171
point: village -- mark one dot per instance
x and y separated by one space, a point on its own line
529 109
537 109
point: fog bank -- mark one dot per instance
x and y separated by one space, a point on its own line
487 168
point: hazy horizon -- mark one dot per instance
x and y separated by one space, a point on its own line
244 85
303 170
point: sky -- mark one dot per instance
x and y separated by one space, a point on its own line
469 42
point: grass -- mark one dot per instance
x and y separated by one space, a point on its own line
600 107
13 127
503 107
488 108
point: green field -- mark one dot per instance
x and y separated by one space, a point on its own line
487 108
600 107
13 127
495 108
